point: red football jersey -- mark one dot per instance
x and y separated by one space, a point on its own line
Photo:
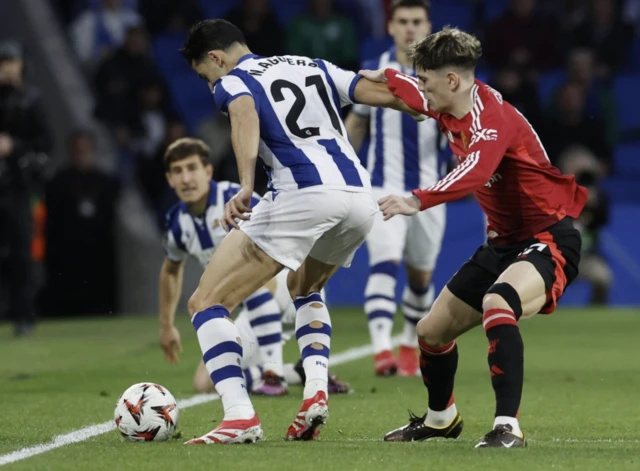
502 162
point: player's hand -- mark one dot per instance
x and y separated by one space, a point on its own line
236 209
374 75
392 205
170 343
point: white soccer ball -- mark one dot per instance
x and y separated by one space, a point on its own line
146 412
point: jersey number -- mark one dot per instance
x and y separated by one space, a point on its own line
298 105
539 247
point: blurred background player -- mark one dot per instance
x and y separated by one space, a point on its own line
193 228
402 155
24 142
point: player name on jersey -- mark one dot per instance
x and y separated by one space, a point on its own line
273 61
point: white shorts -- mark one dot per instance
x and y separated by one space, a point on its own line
328 225
417 238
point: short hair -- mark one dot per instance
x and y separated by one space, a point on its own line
426 4
449 47
209 35
186 147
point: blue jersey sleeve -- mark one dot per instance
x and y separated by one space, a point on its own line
227 89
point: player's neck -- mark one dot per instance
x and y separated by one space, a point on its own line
235 53
403 60
462 103
198 208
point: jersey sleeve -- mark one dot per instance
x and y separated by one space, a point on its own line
344 80
406 88
173 248
488 146
227 89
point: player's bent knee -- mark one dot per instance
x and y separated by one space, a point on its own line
429 333
500 293
203 384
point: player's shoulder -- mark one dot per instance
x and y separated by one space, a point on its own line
171 219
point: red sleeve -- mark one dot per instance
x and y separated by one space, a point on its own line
406 88
488 146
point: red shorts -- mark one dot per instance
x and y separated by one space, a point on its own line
554 252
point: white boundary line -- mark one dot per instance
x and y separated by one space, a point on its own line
94 430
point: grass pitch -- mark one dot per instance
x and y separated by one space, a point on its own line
581 406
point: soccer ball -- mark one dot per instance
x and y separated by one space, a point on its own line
146 412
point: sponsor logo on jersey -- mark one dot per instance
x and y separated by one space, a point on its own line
496 177
484 135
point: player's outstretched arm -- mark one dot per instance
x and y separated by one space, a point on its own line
372 90
245 139
170 289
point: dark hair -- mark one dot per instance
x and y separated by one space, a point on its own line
426 4
186 147
449 47
209 35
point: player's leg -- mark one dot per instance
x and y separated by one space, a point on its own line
424 239
385 245
251 360
264 316
595 270
236 270
335 248
456 310
532 283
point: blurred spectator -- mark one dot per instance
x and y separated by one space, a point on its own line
376 14
593 266
169 15
569 125
97 32
324 33
599 101
80 230
258 23
150 168
524 38
604 31
520 92
24 138
119 76
149 126
632 13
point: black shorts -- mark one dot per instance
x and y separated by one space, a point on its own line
555 253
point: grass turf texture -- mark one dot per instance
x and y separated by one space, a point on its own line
581 406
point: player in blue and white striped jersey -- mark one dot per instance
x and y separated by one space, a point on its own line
193 229
402 155
287 110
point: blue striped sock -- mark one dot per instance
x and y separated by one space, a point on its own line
380 304
313 332
264 316
222 354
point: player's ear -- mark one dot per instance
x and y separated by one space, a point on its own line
216 56
209 169
453 80
167 175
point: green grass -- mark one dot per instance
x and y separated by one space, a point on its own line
581 407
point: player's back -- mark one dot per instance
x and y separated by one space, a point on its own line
303 141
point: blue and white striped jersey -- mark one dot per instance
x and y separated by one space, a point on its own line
402 153
303 141
199 237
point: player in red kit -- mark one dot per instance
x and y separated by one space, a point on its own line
532 250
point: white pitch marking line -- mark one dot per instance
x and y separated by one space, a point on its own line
91 431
